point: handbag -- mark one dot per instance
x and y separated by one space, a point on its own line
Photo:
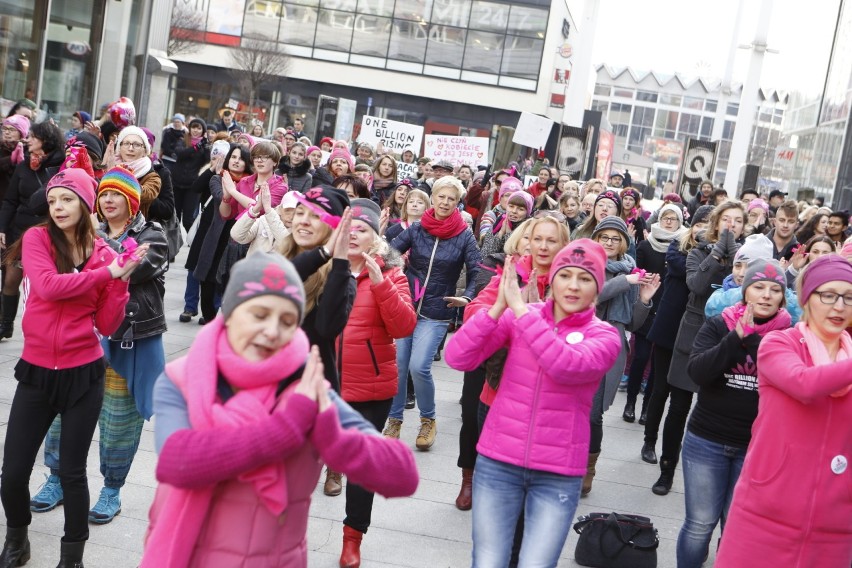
193 229
174 234
612 540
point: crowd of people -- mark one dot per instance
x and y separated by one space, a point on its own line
327 285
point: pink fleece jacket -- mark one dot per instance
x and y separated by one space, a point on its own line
540 416
792 505
62 311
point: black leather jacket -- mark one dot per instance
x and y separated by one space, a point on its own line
143 315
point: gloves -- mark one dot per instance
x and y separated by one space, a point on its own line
487 177
17 154
720 249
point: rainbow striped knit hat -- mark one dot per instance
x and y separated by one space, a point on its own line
122 180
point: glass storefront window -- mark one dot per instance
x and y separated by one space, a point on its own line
334 30
298 24
446 46
484 51
408 41
261 20
344 5
225 16
526 21
19 47
450 13
489 16
521 57
371 35
417 10
376 7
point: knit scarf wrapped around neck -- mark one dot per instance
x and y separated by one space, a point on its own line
36 158
780 320
819 353
255 384
660 238
140 167
446 229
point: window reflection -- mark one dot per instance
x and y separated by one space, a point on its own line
446 46
489 16
525 21
408 41
451 12
418 10
521 57
376 7
483 52
371 35
334 30
345 5
261 19
298 24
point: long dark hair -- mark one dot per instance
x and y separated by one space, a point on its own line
50 136
808 230
63 251
245 154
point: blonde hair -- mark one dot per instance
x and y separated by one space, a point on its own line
514 241
420 194
561 229
449 181
688 240
316 282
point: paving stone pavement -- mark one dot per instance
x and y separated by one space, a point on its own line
425 530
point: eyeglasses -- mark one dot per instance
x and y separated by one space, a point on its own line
667 219
604 239
830 298
134 145
9 129
261 158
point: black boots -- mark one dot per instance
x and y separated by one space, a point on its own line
649 453
664 483
10 310
629 414
71 555
16 549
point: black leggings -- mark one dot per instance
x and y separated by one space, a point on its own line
29 421
681 402
186 204
359 501
642 350
469 433
208 300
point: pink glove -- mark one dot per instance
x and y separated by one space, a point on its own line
18 154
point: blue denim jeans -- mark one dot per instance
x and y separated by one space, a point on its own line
191 293
500 492
710 472
414 353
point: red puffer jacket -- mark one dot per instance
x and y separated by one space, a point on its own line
366 352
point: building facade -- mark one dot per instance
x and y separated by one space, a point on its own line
654 114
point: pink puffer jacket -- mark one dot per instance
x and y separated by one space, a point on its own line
540 417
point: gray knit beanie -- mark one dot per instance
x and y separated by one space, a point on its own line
261 274
612 222
762 269
367 211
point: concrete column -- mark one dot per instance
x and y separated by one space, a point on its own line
578 93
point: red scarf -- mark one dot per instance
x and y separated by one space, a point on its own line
446 229
36 158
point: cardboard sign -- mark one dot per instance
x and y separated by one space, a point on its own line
394 136
532 131
458 150
325 156
345 119
529 180
404 170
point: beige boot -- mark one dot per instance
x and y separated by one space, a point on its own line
393 428
590 474
426 436
333 483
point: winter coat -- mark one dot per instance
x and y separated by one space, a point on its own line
7 168
62 311
721 299
792 505
171 141
654 262
669 312
190 159
298 178
434 266
150 184
17 215
703 272
163 208
213 240
144 313
381 313
540 417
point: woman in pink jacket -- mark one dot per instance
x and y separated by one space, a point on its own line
534 446
244 422
792 505
75 287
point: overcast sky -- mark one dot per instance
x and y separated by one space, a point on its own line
694 38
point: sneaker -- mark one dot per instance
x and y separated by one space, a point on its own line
107 507
622 386
426 436
186 317
410 401
48 497
393 428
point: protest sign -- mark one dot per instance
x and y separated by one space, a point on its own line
404 170
394 136
458 150
529 180
532 130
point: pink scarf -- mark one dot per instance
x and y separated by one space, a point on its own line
819 354
779 321
182 514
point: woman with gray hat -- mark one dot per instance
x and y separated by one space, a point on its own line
618 303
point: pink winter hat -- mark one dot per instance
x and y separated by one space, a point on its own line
342 153
78 181
18 122
510 184
582 253
826 268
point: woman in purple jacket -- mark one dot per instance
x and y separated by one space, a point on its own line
535 442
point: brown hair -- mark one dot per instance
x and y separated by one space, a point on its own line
266 149
316 282
394 209
378 162
789 208
712 233
63 250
